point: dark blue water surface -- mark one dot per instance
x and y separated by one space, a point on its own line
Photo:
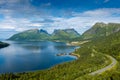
31 56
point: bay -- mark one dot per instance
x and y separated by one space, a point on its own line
22 56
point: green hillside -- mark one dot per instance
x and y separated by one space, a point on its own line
101 29
108 45
31 35
65 35
40 35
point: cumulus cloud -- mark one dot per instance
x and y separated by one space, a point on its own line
79 21
18 24
83 21
8 1
23 8
104 12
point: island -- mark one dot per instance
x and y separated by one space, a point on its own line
2 44
61 54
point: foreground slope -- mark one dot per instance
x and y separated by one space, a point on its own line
109 67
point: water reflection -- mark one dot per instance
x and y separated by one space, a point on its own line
29 56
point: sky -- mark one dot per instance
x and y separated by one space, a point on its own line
19 15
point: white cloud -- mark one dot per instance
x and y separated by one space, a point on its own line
104 12
8 1
36 24
96 13
18 24
83 21
7 26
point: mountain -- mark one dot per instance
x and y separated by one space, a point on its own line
40 35
31 35
101 29
2 45
64 34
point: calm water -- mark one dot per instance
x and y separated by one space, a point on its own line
30 56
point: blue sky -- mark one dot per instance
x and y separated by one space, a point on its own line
19 15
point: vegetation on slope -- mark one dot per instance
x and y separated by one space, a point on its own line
100 30
108 45
2 45
31 35
65 35
40 35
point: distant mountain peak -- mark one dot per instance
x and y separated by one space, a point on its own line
72 30
99 24
43 31
32 30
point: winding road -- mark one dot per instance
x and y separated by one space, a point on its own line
110 66
100 71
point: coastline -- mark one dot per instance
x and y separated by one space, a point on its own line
77 43
2 44
74 54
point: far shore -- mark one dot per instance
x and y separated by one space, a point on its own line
76 43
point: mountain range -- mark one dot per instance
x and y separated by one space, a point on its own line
40 35
96 31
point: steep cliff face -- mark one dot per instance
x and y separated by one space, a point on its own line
101 29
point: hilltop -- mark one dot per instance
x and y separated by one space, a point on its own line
100 30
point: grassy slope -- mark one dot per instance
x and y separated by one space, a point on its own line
30 35
37 35
108 45
100 30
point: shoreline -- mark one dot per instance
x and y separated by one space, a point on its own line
76 43
74 54
3 44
